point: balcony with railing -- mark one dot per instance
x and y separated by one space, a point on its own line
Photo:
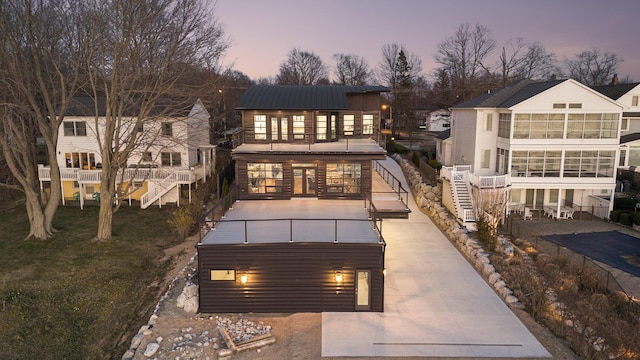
457 172
183 176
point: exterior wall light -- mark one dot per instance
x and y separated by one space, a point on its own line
384 272
243 278
339 277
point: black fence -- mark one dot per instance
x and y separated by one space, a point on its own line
521 229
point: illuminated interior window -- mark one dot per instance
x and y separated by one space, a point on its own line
223 275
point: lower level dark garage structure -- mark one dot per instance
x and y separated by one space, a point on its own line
260 259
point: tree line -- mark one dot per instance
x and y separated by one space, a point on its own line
135 54
470 62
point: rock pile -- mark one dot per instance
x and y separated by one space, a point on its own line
192 344
188 299
429 200
242 329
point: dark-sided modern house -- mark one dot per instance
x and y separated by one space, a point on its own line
300 238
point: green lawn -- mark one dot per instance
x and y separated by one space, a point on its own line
73 298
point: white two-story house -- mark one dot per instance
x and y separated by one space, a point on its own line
552 146
172 153
627 95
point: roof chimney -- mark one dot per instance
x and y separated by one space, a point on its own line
615 80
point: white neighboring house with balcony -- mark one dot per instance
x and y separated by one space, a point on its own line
173 153
628 95
552 146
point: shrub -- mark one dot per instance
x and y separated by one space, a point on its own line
486 235
435 164
183 221
401 149
636 217
624 204
393 148
626 218
615 215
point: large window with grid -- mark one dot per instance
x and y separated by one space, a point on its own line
592 126
367 124
321 127
538 126
536 163
348 124
344 178
504 125
264 178
81 160
589 163
298 127
260 127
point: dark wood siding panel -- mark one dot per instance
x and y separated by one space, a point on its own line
289 277
364 102
288 159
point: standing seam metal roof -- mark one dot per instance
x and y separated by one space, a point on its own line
294 97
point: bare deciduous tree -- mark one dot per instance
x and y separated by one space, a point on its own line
302 68
463 56
491 205
593 67
40 71
352 70
140 51
521 59
538 64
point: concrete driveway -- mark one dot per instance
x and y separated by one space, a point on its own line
436 304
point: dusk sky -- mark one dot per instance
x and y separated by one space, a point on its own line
263 32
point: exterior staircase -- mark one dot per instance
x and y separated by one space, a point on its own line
161 188
462 197
460 201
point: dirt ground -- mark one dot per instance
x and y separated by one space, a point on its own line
298 336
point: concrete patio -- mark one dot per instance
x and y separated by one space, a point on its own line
436 304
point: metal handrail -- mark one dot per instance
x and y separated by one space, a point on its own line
290 225
393 181
216 214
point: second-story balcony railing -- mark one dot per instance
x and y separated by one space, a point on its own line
483 182
183 176
490 182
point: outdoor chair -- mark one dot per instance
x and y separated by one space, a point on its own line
528 214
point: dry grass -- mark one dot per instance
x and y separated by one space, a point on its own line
73 298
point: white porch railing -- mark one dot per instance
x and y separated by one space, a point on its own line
184 176
89 176
490 182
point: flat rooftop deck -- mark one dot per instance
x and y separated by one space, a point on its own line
296 220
